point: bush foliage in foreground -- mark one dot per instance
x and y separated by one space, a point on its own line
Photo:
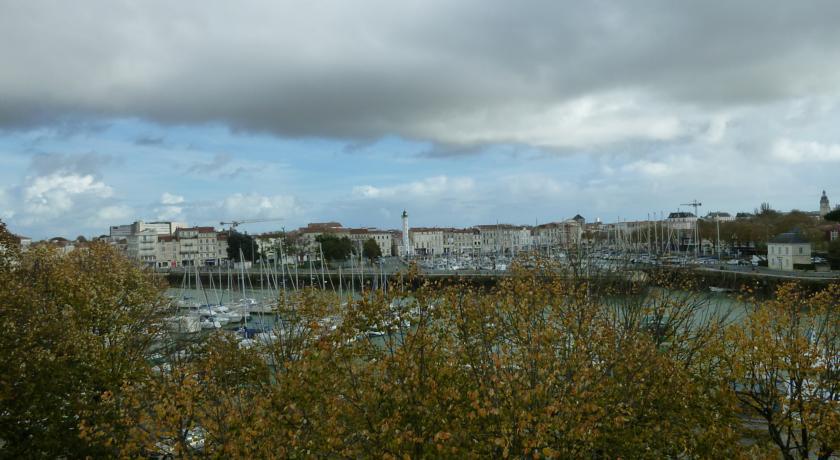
538 366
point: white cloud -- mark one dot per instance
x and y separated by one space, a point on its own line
245 206
112 214
649 168
56 194
792 151
429 187
171 199
583 122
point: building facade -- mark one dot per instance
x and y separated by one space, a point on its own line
787 250
825 207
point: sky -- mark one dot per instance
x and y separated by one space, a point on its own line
460 112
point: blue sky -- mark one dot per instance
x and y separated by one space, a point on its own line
461 114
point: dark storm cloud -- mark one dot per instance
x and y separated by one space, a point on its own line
447 72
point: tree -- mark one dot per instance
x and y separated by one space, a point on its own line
371 249
73 330
834 254
833 216
9 248
241 244
335 248
785 361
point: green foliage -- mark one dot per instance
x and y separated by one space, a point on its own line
834 254
763 227
73 329
242 242
335 248
833 216
371 249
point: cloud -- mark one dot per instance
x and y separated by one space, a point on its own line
90 163
170 199
149 141
792 151
550 74
53 195
431 187
254 205
109 215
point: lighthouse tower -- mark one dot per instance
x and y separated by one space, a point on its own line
824 206
405 240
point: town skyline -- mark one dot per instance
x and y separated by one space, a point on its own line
514 114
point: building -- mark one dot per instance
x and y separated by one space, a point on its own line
681 221
23 241
825 207
142 246
383 238
160 228
719 216
564 234
788 250
504 238
458 241
308 236
200 246
426 242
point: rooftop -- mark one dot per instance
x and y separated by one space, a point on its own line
791 237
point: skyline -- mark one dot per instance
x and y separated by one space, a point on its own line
463 114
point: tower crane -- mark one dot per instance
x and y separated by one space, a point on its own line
235 223
695 204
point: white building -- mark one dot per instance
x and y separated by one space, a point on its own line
461 241
681 221
383 238
426 241
308 235
199 246
160 228
504 238
142 246
564 234
787 250
720 216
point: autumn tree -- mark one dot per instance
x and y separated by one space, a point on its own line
73 329
785 359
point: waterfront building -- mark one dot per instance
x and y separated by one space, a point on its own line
160 228
787 250
504 238
382 237
461 241
564 234
426 242
720 216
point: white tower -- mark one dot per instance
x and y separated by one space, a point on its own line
824 206
406 244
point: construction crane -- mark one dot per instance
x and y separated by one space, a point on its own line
235 223
695 204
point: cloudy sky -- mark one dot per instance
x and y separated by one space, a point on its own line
461 112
